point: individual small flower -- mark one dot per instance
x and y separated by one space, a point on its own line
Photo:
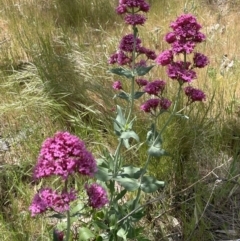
62 155
127 43
181 72
117 85
170 37
141 82
97 195
135 19
200 60
150 105
194 94
155 87
48 199
165 103
165 58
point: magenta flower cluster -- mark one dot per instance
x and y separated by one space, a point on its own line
131 8
62 155
97 195
183 40
156 89
129 43
48 199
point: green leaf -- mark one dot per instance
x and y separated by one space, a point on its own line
150 184
156 151
122 72
138 94
57 215
122 234
132 172
129 184
102 174
143 70
126 143
129 134
76 209
119 122
85 234
123 95
100 224
120 195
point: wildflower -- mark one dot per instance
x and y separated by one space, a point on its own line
165 103
181 72
170 37
141 82
117 85
150 54
165 58
63 155
183 46
141 4
48 199
200 60
155 87
135 19
97 195
194 94
185 34
186 26
150 105
127 43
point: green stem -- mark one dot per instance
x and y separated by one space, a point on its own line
116 157
136 201
133 67
68 226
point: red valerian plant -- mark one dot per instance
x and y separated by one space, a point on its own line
109 213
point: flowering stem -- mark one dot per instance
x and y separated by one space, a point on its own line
135 30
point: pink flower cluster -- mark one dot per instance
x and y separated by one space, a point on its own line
156 89
62 155
97 195
151 105
194 94
47 199
183 39
131 9
123 56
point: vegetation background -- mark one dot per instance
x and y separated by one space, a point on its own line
53 76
